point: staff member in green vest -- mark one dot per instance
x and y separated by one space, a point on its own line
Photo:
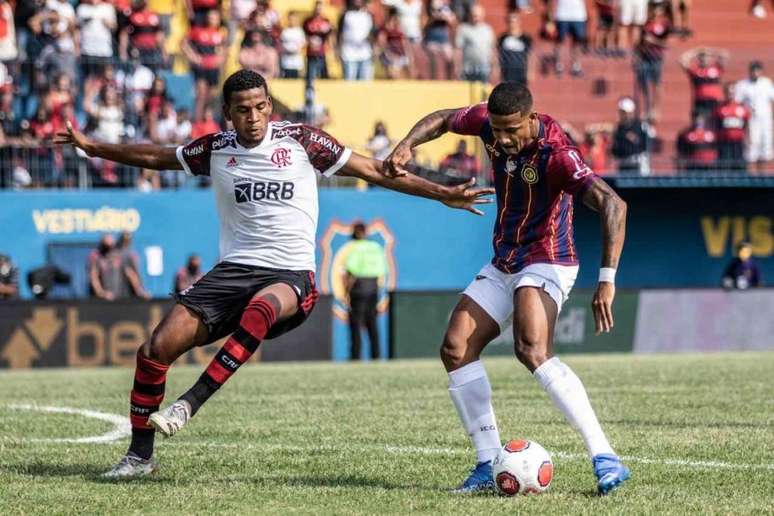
365 266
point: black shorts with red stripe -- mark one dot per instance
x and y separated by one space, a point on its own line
221 295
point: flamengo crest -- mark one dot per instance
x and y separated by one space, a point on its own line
281 157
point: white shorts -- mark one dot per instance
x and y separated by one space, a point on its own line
633 12
493 289
760 146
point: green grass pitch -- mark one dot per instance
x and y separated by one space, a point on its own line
323 438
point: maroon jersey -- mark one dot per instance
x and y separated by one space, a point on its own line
706 82
534 189
394 40
731 120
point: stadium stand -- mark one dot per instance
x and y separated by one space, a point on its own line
35 100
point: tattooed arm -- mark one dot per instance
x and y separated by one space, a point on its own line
612 211
429 128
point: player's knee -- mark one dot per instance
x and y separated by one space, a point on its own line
530 349
453 351
157 348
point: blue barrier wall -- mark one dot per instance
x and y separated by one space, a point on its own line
676 237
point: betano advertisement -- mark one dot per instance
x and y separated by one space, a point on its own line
91 333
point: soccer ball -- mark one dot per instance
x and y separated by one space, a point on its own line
523 467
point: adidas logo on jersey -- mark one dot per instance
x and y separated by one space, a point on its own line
232 162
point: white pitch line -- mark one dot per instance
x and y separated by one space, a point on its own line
121 426
417 450
122 429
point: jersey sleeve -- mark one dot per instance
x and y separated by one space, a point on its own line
469 120
325 152
571 173
195 156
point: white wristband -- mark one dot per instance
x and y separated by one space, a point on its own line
607 274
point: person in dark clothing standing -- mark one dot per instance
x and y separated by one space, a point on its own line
365 266
513 50
630 140
742 272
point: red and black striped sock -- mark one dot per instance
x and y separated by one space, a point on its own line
256 320
147 394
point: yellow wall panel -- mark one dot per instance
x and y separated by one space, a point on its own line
356 106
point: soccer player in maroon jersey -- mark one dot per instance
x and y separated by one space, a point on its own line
538 172
264 179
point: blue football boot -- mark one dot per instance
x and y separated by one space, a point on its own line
479 480
610 472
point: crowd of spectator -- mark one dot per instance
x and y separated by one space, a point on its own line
103 66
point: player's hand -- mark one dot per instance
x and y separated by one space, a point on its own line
602 306
74 138
395 164
465 197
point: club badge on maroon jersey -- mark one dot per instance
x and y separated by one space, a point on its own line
529 174
281 157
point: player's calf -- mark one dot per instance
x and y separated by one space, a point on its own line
146 396
258 317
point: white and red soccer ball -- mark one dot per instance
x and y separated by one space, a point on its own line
523 467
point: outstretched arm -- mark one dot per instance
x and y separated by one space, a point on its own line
612 211
429 128
137 155
463 196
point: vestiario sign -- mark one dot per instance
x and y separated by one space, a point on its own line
102 220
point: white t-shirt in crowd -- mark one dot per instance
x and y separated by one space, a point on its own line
94 20
166 129
292 42
355 31
241 9
410 16
758 96
8 50
476 43
63 8
110 124
570 10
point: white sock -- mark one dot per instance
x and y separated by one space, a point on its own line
569 395
471 393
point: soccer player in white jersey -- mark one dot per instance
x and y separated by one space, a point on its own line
263 177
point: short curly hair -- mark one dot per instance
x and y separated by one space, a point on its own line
243 80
